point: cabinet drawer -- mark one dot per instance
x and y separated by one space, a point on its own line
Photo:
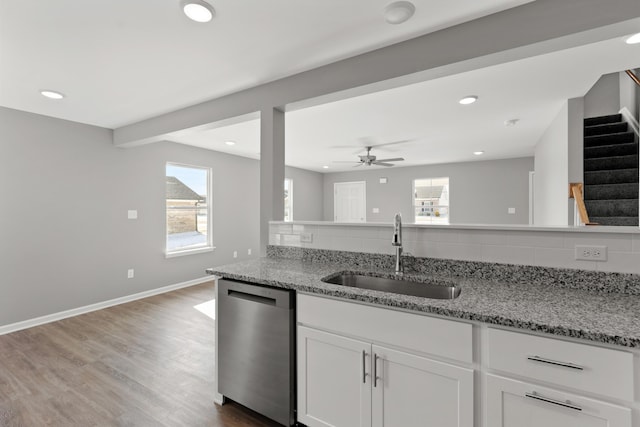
445 338
579 366
510 402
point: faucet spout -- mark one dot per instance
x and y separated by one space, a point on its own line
396 241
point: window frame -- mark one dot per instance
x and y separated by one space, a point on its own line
190 250
290 201
413 200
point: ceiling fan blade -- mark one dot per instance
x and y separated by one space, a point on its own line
403 141
360 164
344 161
397 159
382 164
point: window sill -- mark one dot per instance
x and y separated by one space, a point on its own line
190 252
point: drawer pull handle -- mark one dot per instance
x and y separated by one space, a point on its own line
566 404
555 362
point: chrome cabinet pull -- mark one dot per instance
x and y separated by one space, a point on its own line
555 362
375 370
567 404
364 367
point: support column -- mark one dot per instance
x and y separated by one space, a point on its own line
271 172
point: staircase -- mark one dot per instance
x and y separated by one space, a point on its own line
610 171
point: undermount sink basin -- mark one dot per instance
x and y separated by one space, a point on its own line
396 286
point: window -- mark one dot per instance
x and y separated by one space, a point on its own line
431 200
288 199
188 197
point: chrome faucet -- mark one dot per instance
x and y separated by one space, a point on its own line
396 241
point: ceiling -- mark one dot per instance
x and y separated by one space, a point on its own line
122 61
428 114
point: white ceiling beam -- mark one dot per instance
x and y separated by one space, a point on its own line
538 27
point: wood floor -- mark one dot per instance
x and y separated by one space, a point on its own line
146 363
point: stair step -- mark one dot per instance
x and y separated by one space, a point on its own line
605 129
616 176
611 191
615 220
611 150
617 207
613 118
609 139
611 163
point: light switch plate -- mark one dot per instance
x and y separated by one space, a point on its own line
375 210
132 214
383 180
511 211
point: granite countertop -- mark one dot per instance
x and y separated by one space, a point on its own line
612 318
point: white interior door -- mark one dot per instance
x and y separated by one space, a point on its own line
349 201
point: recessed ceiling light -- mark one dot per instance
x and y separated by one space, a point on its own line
198 10
468 100
325 167
478 153
399 12
511 122
634 39
51 94
230 143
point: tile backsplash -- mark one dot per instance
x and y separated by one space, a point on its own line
517 246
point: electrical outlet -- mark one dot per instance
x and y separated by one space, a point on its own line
306 237
375 210
248 251
132 214
235 254
591 253
511 211
130 273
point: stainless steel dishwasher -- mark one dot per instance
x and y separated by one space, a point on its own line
256 348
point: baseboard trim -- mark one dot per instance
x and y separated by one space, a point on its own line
13 327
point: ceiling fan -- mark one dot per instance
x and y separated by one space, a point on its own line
369 159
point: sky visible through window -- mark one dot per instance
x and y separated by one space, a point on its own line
194 178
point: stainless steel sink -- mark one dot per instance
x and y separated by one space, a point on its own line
396 286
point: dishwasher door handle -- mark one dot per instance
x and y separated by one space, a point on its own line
251 297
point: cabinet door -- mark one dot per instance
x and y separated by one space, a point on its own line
333 380
415 391
512 403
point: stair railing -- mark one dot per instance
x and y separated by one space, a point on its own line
575 192
633 76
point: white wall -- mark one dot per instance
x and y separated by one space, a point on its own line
629 94
552 173
307 194
604 97
65 240
479 192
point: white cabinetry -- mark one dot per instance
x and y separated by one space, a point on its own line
353 382
512 403
412 390
571 367
332 387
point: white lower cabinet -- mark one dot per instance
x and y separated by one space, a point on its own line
332 387
415 391
347 382
512 403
